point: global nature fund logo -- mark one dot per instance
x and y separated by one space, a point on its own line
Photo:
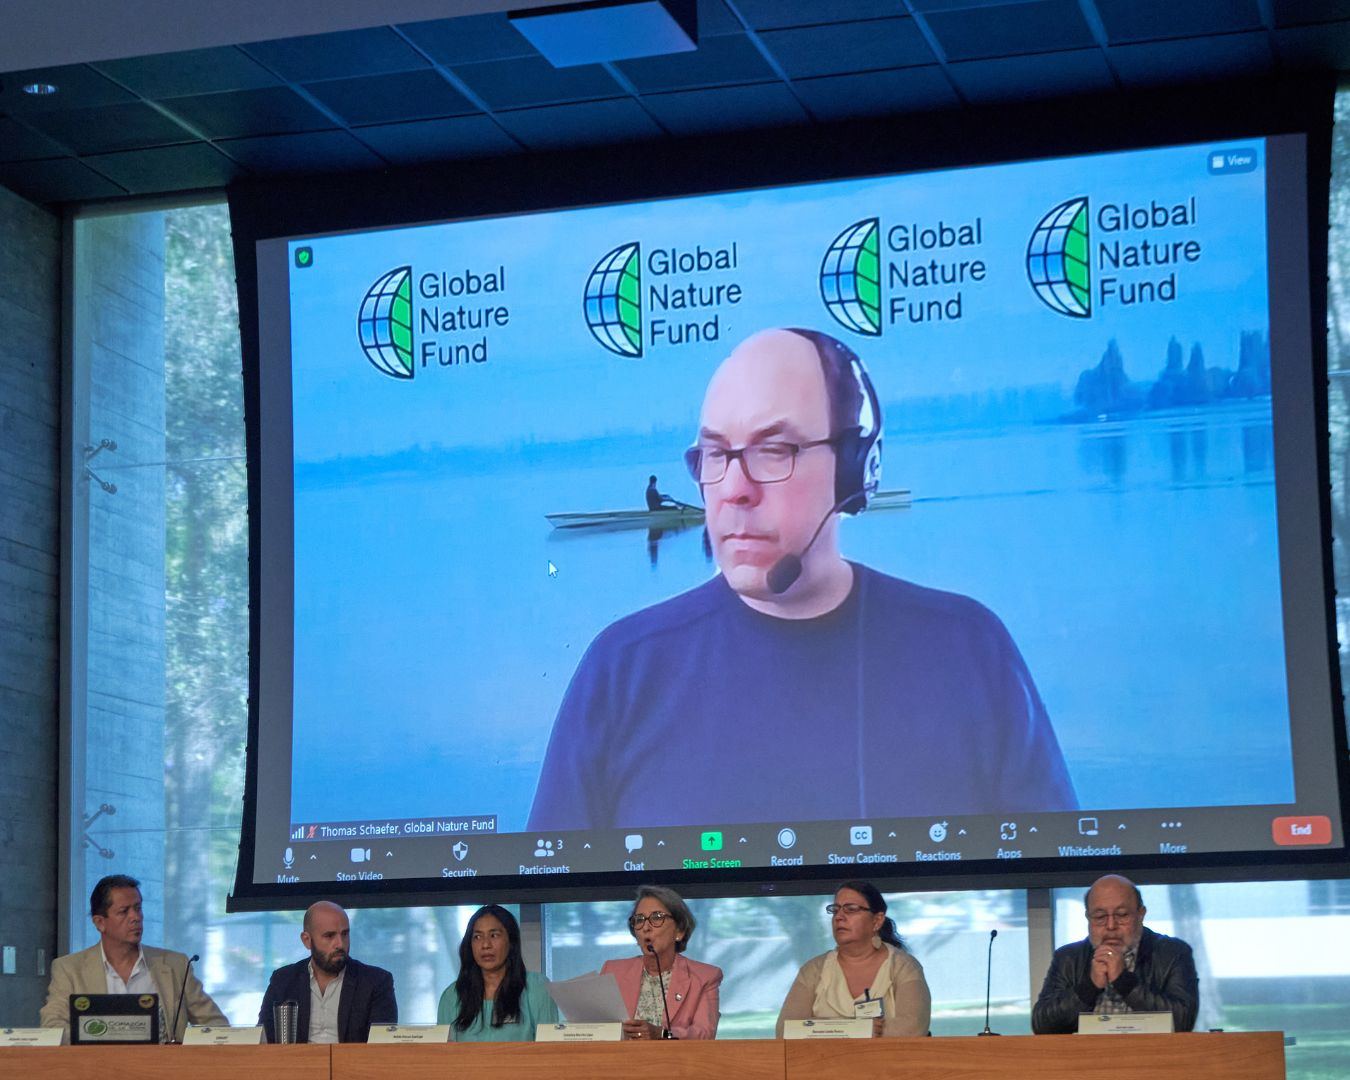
440 318
1058 263
670 296
1082 258
908 273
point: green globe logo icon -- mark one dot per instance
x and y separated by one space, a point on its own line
1057 260
95 1026
385 324
613 300
850 278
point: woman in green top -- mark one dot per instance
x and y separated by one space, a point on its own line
494 999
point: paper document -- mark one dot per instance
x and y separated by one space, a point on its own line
589 999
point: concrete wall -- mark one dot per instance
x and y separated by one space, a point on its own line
30 505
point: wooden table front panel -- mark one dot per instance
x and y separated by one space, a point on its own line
1194 1056
758 1059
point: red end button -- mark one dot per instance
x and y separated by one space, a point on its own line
1315 829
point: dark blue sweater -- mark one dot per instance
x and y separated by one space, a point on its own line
901 702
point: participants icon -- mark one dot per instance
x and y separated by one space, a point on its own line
613 300
385 324
1057 260
850 278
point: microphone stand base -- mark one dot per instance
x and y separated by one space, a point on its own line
986 1031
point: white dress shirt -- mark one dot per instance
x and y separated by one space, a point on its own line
323 1008
139 982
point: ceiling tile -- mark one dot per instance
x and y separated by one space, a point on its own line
62 180
438 140
718 61
374 51
774 14
513 84
1010 29
380 99
249 112
1026 78
19 143
714 19
1151 20
845 48
1326 45
728 108
590 123
308 152
198 71
1192 59
78 87
1302 12
112 127
167 168
877 93
470 39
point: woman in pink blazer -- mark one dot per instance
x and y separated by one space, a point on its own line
662 925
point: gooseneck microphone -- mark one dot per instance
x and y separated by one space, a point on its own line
666 1032
178 1009
784 573
988 982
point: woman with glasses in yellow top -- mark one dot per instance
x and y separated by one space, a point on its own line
662 924
869 972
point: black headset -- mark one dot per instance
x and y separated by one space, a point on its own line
855 423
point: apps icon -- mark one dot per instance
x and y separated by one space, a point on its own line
1007 830
710 841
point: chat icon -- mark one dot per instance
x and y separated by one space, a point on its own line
633 842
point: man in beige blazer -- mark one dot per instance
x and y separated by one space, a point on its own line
120 964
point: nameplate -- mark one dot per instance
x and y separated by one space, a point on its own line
39 1036
223 1036
609 1032
1131 1023
827 1029
409 1033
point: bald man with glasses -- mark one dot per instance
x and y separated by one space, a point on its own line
1121 966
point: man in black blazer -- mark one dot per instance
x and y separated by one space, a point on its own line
339 998
1121 966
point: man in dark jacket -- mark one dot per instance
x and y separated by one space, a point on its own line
1121 967
339 998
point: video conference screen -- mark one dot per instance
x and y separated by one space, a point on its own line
540 599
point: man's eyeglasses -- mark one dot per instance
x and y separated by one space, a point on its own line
764 463
656 918
847 909
1102 918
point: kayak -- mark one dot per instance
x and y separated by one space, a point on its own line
682 517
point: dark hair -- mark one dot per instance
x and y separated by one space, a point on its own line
876 903
101 897
844 395
674 903
651 479
469 985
